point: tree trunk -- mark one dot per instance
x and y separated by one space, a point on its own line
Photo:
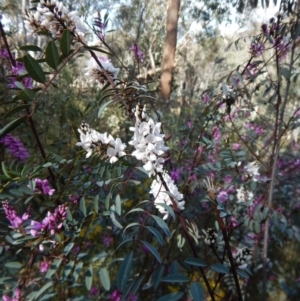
169 48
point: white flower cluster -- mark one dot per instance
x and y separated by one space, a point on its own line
101 144
161 196
148 141
53 16
211 236
243 195
242 257
95 72
252 170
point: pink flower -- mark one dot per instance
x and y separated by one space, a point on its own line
235 146
15 147
175 174
44 266
42 186
223 196
137 52
116 295
205 98
107 240
94 291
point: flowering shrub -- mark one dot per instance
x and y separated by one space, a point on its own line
148 212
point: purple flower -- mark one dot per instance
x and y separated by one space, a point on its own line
228 179
42 186
94 291
19 70
16 147
99 28
44 266
17 296
264 29
257 49
76 250
205 98
52 223
235 146
115 295
74 198
131 297
216 133
175 175
189 124
11 214
223 196
137 52
145 249
107 240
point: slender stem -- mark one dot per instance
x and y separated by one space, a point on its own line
278 133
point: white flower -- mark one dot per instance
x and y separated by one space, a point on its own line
244 195
54 17
252 170
242 257
161 196
100 143
95 72
148 142
118 150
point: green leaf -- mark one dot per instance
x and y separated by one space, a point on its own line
48 297
157 234
82 206
135 210
11 126
68 248
167 207
162 225
171 297
68 268
13 265
52 57
27 94
34 69
137 284
89 277
220 268
43 289
102 108
77 271
3 280
124 242
157 275
4 170
175 278
124 272
152 250
118 204
65 42
31 48
243 273
197 291
130 225
19 85
285 72
105 280
101 256
96 203
195 262
54 266
16 110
